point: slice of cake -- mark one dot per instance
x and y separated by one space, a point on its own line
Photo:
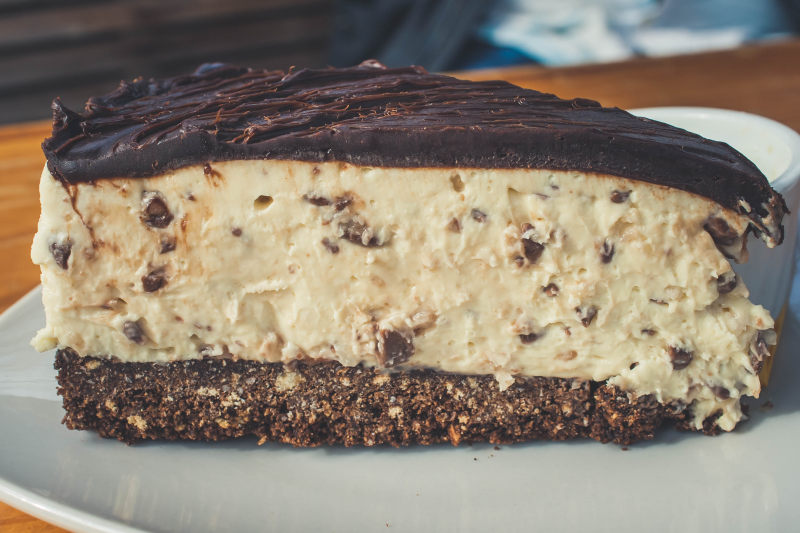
369 255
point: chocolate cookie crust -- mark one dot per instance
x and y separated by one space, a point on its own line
402 117
311 404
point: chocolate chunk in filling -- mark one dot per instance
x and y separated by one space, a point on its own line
342 202
133 331
619 197
680 357
721 392
454 225
478 215
551 289
154 280
586 314
168 244
607 251
331 246
527 338
208 170
727 282
759 352
155 212
61 252
720 231
358 232
394 348
533 250
318 201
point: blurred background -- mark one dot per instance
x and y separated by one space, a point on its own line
77 48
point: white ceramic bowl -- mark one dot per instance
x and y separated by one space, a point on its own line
775 149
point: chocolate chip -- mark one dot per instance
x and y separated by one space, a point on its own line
60 252
154 280
394 348
168 243
727 282
341 202
359 233
658 301
209 171
586 315
532 249
680 357
454 225
134 332
649 332
237 232
720 231
319 201
155 212
759 353
478 215
607 251
551 289
633 365
721 392
190 197
619 197
206 350
527 338
330 245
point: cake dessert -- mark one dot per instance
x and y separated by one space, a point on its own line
368 256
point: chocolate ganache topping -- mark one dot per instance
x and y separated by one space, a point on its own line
401 117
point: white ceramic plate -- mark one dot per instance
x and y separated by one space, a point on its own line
748 480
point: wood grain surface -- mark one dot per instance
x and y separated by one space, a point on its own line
763 79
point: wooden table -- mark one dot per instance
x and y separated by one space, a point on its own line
763 79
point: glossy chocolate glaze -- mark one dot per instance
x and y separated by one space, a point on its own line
404 117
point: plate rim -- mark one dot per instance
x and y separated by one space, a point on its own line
43 507
56 513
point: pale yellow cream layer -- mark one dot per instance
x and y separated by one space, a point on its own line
503 272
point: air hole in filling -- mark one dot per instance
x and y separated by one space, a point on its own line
262 202
455 181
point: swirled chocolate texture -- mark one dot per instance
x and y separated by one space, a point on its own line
400 117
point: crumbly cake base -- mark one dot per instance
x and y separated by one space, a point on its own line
324 403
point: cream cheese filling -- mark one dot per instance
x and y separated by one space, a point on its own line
474 271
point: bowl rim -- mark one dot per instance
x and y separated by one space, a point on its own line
791 174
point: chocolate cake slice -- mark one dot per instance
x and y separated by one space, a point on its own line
367 256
